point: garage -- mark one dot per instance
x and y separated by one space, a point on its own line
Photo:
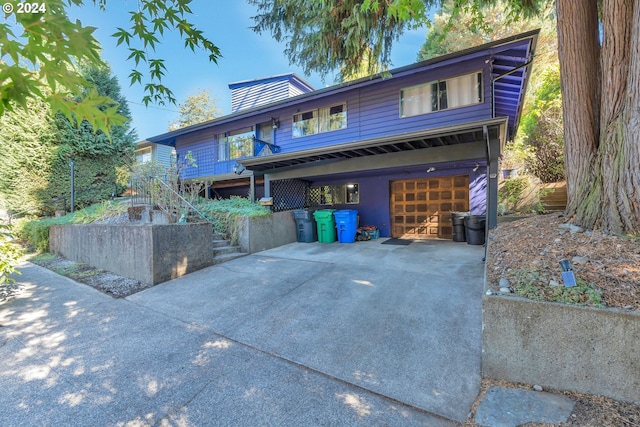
421 207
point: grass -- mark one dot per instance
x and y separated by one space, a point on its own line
34 232
534 286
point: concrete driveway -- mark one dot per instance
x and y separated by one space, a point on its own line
305 334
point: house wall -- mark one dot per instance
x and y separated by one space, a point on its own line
162 154
372 112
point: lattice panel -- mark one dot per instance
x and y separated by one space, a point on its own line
326 195
289 194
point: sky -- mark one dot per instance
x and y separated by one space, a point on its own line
245 55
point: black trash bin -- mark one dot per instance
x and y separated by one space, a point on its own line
305 226
474 229
457 220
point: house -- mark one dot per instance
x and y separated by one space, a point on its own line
147 151
404 148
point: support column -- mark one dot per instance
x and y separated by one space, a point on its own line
492 183
252 188
267 185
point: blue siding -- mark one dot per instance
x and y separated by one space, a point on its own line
372 112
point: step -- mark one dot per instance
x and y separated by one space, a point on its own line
222 250
218 259
218 236
217 243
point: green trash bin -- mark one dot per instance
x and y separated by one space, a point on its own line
326 225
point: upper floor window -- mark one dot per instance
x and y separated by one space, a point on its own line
324 119
441 95
235 144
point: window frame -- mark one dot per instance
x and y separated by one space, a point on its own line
438 84
319 126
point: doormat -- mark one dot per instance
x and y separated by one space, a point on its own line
394 241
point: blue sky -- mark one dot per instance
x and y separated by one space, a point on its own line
245 55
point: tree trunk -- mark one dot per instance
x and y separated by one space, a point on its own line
601 113
578 52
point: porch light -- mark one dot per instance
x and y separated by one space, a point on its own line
275 123
238 169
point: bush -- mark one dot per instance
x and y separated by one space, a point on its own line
9 254
224 213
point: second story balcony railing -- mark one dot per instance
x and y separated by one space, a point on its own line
215 159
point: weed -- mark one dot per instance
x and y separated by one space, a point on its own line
534 286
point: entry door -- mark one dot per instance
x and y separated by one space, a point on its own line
421 208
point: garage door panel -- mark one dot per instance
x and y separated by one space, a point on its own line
422 207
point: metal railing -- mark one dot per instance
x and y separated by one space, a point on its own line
155 192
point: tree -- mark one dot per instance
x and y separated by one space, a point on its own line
197 108
539 142
38 144
600 83
324 36
39 52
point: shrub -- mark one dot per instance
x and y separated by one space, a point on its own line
9 254
224 214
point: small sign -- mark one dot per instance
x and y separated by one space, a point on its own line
569 279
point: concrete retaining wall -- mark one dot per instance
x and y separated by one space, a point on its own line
589 350
262 233
149 253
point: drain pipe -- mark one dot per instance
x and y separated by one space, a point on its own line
485 133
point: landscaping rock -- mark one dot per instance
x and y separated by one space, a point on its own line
504 282
579 260
537 387
553 283
505 290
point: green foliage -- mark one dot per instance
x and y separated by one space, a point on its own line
196 108
99 212
532 285
40 52
224 213
35 233
511 191
328 36
542 128
9 254
35 171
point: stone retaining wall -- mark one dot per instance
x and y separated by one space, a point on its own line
150 253
583 349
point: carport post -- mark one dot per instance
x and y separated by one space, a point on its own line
252 187
267 185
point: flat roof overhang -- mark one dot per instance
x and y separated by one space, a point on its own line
435 137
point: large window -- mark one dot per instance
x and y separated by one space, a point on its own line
441 95
325 119
235 144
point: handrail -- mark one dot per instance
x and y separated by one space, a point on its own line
161 196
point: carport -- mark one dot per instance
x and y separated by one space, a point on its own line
451 164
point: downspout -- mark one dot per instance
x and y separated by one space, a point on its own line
485 133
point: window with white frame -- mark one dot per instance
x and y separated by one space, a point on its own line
441 95
235 144
320 120
143 155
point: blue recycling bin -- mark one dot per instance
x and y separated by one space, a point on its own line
346 225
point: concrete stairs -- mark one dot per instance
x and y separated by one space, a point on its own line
224 251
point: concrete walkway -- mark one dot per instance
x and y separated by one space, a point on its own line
304 334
